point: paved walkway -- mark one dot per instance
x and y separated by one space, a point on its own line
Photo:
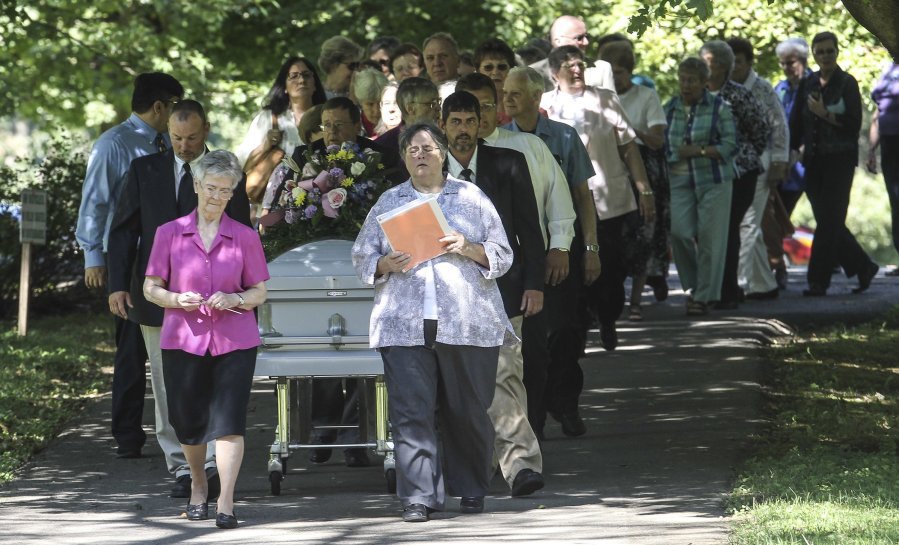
668 415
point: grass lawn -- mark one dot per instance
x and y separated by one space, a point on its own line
45 379
827 469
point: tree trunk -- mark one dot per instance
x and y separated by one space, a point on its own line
881 17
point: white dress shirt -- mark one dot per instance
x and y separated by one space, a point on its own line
554 202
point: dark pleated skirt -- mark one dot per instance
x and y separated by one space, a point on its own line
208 395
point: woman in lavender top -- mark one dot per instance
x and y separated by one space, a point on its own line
438 327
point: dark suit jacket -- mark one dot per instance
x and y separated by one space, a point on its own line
148 201
503 175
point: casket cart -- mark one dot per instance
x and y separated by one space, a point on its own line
314 324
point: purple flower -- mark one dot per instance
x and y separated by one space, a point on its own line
332 148
310 211
335 176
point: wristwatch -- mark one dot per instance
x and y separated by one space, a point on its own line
239 296
592 248
560 249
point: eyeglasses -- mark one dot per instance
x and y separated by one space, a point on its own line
488 106
336 126
434 104
293 76
825 52
415 150
574 64
502 67
789 62
219 192
579 38
353 66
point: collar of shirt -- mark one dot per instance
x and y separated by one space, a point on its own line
179 169
144 129
750 79
456 168
226 229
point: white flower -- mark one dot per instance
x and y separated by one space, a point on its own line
357 168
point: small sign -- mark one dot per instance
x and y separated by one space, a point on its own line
336 293
33 226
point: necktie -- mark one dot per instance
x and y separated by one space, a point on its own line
466 174
186 202
159 142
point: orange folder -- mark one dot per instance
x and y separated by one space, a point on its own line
416 229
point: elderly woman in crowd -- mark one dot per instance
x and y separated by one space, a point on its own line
601 122
391 117
438 326
792 54
208 272
406 62
700 146
644 111
380 50
367 86
754 266
339 58
494 58
824 127
296 89
753 131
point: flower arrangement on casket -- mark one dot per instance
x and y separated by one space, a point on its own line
330 196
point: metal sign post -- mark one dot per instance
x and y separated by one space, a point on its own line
33 230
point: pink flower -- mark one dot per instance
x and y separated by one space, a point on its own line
333 200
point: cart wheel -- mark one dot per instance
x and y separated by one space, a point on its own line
390 475
275 478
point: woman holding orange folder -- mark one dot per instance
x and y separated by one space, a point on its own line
438 326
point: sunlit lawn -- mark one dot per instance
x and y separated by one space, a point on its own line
827 471
46 377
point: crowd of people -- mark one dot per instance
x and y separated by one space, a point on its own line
560 175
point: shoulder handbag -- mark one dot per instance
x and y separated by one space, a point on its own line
258 174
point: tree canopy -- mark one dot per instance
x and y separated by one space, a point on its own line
72 62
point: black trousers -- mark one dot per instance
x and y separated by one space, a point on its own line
740 201
129 385
828 185
889 162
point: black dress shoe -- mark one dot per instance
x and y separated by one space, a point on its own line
320 455
608 336
473 504
763 295
416 512
226 522
865 276
726 305
659 287
199 511
526 482
572 424
182 487
128 452
213 483
815 290
356 457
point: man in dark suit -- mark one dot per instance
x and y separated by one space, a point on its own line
504 176
159 188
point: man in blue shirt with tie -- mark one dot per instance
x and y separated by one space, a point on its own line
143 133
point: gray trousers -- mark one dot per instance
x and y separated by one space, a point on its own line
450 385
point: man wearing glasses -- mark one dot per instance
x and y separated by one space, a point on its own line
569 30
159 188
143 133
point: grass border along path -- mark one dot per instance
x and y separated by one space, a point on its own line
45 379
827 469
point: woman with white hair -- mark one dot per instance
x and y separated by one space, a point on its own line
339 58
367 87
792 54
208 272
753 131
